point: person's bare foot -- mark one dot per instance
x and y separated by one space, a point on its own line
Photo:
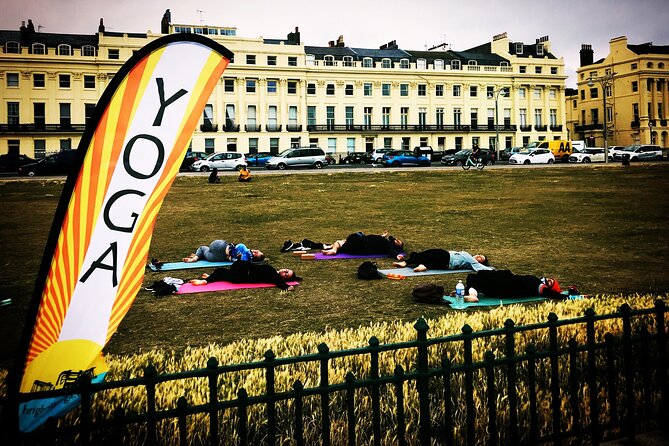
329 252
204 275
420 268
191 258
401 264
198 282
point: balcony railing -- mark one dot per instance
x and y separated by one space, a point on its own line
294 127
252 127
556 128
348 128
36 128
525 128
231 128
273 128
540 128
589 127
209 127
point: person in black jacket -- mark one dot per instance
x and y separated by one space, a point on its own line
504 283
242 271
359 243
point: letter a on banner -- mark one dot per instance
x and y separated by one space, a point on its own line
94 261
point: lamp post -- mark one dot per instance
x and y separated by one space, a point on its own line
496 94
605 81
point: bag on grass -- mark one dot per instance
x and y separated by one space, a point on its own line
428 293
368 271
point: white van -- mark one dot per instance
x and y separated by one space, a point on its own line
578 146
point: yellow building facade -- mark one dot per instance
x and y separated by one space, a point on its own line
279 93
630 85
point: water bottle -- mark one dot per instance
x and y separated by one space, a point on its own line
459 293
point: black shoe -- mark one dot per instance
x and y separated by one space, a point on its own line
311 244
286 246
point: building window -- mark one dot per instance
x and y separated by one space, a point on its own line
208 116
65 116
438 64
311 88
406 143
387 142
439 90
421 64
64 80
582 116
385 89
522 69
474 118
292 87
472 63
519 48
349 116
210 145
64 50
89 81
88 112
634 66
490 92
537 117
457 117
330 116
386 63
250 59
455 65
251 117
404 64
271 60
12 80
292 115
40 148
554 70
274 145
38 48
385 116
507 118
457 90
404 116
348 61
350 144
328 61
311 60
553 117
439 117
367 116
311 115
540 49
13 113
348 90
271 86
39 115
404 89
12 47
66 144
113 53
88 51
292 61
473 91
522 93
332 145
537 70
635 86
422 116
635 111
552 93
229 85
537 93
367 62
253 145
250 85
422 90
522 117
491 118
330 89
230 118
582 95
367 89
593 93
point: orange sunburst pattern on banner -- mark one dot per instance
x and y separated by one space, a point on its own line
92 184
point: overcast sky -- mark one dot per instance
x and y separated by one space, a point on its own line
415 24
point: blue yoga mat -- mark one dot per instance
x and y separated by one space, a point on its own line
410 272
485 301
188 265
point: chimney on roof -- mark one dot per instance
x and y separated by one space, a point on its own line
294 37
587 55
101 26
331 43
165 22
340 41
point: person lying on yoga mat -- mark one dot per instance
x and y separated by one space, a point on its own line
359 243
222 251
504 283
247 272
441 259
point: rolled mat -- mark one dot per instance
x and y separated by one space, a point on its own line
410 272
187 265
188 288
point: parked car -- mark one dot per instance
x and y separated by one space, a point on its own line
589 155
355 158
439 154
298 157
221 161
505 154
640 152
190 158
398 158
459 157
613 150
10 162
57 164
258 159
536 156
377 155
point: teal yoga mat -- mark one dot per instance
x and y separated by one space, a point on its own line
485 301
430 272
188 265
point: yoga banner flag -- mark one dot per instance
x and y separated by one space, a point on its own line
94 261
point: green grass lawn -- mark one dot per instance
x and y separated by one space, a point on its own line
603 228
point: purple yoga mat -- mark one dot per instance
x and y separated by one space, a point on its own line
321 256
188 288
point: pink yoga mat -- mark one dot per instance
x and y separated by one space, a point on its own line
188 288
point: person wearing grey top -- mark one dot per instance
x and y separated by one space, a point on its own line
441 259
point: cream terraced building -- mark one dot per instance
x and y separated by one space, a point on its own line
279 93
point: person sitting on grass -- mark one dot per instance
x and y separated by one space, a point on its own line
213 176
441 259
359 243
247 272
505 284
222 251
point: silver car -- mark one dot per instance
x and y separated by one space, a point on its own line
298 157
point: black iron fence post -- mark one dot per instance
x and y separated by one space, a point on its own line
150 375
663 413
350 406
399 393
422 383
489 358
242 396
469 385
511 380
555 377
376 394
298 387
629 372
270 394
448 403
182 405
532 385
212 372
574 384
324 352
612 374
591 342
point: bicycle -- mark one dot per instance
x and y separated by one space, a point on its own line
469 162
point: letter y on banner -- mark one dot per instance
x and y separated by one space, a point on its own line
94 261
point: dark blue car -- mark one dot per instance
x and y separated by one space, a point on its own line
398 158
258 159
